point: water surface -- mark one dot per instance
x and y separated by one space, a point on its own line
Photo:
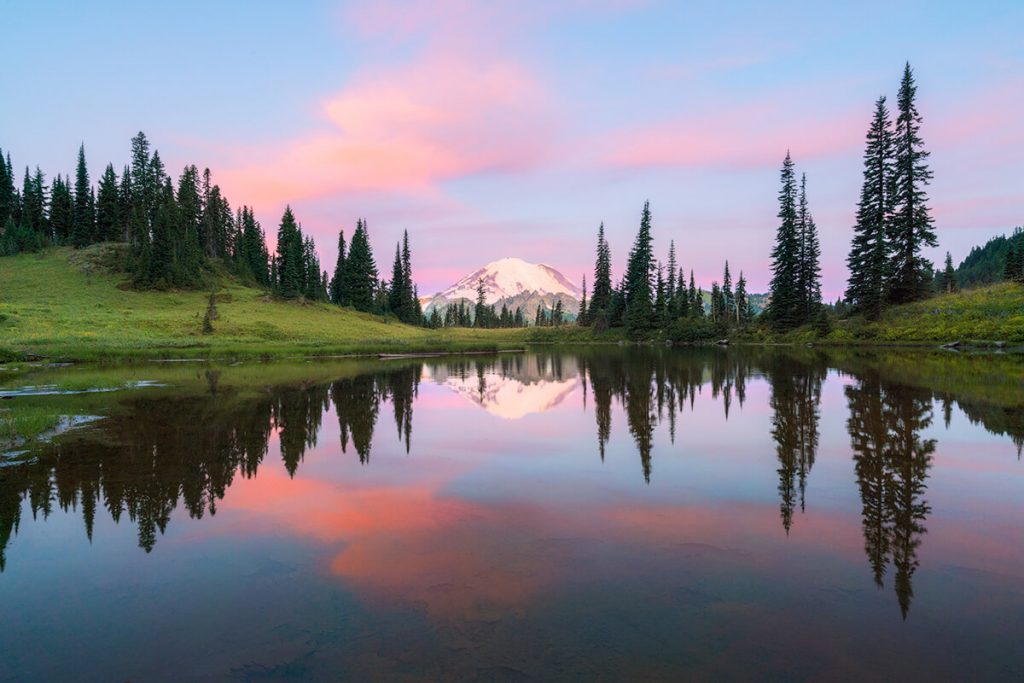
602 514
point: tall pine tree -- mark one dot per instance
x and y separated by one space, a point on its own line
784 307
338 280
360 276
809 273
639 294
601 296
83 218
911 227
868 261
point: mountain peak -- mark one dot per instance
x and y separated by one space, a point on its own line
512 280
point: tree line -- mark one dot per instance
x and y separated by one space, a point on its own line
652 298
177 234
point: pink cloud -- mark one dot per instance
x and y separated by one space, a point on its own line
407 129
741 138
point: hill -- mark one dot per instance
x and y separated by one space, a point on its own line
985 265
992 313
65 303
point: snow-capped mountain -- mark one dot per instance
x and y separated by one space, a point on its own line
513 282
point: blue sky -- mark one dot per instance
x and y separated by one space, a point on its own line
512 129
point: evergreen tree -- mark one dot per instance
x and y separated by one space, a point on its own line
144 192
696 299
108 207
360 276
410 303
671 300
639 297
911 226
160 259
188 252
1014 268
290 272
124 205
868 261
338 281
34 205
254 248
83 219
742 312
480 312
947 280
809 273
660 300
312 282
397 293
601 297
728 298
784 307
583 317
62 207
7 189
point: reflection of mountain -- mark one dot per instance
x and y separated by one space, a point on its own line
510 398
510 387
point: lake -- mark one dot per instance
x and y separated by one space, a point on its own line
584 514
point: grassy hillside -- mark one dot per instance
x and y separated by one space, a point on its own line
65 304
994 313
60 303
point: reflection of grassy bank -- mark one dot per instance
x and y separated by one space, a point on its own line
23 418
995 378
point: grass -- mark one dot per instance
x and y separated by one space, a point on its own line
994 313
67 304
979 316
58 304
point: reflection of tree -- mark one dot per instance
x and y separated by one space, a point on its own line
156 453
357 403
796 394
892 464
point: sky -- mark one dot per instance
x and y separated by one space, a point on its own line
494 129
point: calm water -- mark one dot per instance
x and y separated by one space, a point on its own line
592 515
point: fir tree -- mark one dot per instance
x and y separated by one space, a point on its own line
289 256
410 304
7 189
742 312
583 317
696 299
911 226
62 207
639 297
160 260
360 276
868 261
784 307
809 273
188 251
728 298
397 293
108 206
601 297
83 219
670 283
947 280
1014 268
338 281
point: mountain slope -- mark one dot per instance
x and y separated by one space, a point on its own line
515 283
